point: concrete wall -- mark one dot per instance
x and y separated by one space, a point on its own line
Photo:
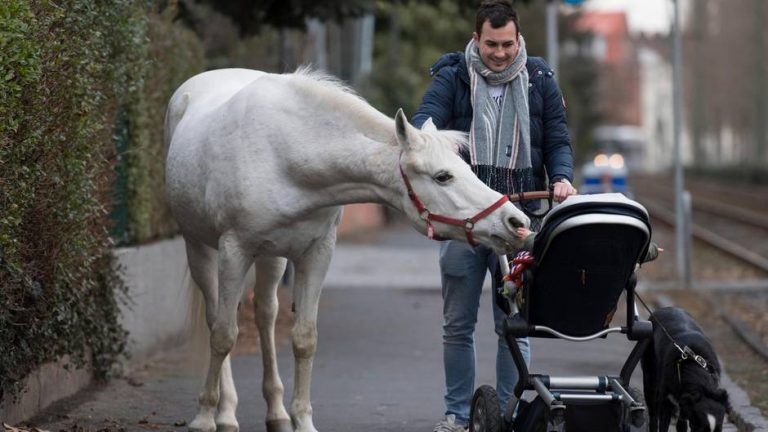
43 387
360 217
157 279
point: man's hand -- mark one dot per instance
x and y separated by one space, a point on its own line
563 189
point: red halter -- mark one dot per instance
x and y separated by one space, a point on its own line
468 224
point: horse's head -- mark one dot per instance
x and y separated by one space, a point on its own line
447 187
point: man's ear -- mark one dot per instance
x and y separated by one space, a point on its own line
429 126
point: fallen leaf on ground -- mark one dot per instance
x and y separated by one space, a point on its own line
9 428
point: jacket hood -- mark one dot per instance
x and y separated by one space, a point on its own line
454 59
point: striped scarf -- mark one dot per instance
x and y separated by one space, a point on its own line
499 138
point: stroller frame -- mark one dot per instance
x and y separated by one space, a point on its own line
557 392
588 389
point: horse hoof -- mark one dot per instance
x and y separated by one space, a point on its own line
279 426
227 427
202 426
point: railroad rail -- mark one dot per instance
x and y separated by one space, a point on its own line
749 246
734 221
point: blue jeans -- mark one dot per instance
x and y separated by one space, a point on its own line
463 269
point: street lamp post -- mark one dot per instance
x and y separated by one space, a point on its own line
553 53
552 47
682 199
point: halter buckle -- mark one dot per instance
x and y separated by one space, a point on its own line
469 225
424 215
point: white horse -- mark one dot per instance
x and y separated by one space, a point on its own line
258 168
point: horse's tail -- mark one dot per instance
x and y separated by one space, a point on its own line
198 334
177 106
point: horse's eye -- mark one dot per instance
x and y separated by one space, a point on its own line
443 177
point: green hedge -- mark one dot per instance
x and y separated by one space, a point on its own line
69 70
175 53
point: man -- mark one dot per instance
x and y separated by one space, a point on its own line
514 112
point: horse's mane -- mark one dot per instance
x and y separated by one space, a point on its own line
342 98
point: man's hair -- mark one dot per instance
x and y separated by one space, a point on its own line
498 13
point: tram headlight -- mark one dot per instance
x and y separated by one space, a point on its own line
616 161
601 160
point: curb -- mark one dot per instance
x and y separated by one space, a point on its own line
42 387
746 417
743 415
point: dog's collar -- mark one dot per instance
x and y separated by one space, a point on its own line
687 353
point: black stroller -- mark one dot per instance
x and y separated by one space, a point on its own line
585 256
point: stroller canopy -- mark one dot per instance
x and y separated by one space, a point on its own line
585 254
592 209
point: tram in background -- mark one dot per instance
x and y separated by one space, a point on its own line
619 150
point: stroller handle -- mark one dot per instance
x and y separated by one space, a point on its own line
532 195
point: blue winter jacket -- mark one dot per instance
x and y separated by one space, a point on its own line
447 101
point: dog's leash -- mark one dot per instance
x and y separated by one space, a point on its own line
685 352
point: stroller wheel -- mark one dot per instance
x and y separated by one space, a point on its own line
485 415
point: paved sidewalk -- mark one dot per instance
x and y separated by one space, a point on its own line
379 362
398 258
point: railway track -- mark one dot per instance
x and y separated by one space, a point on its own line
736 223
738 230
753 197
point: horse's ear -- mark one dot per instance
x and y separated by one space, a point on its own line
404 129
429 126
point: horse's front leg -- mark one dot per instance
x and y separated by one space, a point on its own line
310 273
226 420
233 264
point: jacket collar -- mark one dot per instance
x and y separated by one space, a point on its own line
458 60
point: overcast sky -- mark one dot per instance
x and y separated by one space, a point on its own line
650 16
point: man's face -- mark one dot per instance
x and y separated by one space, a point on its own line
498 47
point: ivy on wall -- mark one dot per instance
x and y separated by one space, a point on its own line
69 70
175 54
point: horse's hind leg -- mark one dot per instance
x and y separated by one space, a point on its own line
203 266
265 303
310 273
228 268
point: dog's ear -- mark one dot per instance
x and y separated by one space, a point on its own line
721 396
690 397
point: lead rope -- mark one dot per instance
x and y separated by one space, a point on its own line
685 352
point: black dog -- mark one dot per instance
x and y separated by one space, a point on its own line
688 387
